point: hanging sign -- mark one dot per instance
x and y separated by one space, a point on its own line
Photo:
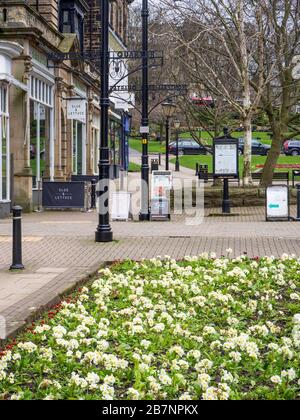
225 158
277 202
76 110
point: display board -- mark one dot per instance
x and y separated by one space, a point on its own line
121 205
161 185
225 158
64 195
277 203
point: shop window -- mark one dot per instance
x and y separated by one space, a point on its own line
95 155
41 91
78 148
39 142
4 145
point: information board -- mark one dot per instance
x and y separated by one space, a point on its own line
277 202
225 159
161 185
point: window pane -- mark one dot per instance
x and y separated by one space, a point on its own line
3 99
33 141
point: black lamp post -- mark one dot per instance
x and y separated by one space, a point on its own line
145 213
168 110
104 232
177 126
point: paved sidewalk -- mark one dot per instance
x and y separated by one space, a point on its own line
59 250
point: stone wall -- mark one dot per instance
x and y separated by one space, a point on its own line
48 9
239 197
92 22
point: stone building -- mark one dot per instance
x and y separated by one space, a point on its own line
49 111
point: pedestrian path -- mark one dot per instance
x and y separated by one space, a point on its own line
136 157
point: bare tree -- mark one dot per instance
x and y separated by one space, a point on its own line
282 91
221 46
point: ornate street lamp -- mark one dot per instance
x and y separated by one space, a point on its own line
145 211
104 232
168 108
177 127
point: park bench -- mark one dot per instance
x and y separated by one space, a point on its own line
203 174
277 176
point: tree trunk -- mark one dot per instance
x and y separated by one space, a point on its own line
247 178
272 159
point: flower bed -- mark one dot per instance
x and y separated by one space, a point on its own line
204 328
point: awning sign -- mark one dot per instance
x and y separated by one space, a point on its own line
76 110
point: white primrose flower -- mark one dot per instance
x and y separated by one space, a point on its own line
289 374
146 344
28 347
276 380
204 380
133 394
59 331
164 378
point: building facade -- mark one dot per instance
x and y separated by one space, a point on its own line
49 111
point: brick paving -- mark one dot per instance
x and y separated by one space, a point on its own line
59 250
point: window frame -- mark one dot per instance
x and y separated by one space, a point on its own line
4 115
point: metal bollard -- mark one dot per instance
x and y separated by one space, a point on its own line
197 169
17 239
298 203
226 200
93 194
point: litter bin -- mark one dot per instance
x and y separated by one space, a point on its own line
154 165
203 172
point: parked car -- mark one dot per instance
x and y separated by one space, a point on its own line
292 147
258 148
188 147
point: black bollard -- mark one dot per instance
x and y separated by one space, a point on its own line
93 194
197 169
17 239
226 201
298 203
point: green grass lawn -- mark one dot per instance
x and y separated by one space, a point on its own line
154 146
190 161
133 167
